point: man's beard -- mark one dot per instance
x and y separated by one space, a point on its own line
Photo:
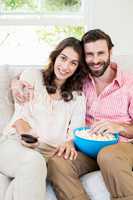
98 73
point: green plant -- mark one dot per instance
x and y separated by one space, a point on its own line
52 5
15 4
52 35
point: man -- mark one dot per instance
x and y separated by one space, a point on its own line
109 95
109 109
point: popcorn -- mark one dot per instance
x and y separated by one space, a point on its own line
95 136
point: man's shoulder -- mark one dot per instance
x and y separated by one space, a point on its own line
32 72
127 77
31 75
124 72
128 82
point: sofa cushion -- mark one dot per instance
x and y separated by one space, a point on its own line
93 184
50 195
95 187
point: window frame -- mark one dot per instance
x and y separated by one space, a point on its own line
81 18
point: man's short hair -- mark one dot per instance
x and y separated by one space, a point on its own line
97 34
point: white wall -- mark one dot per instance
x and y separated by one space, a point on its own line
116 18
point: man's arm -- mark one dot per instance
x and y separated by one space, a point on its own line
22 126
22 91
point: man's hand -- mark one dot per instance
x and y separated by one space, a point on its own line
67 150
104 127
21 91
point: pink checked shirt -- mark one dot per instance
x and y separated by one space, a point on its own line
115 103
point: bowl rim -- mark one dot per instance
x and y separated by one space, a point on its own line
116 134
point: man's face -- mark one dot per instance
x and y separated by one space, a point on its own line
97 56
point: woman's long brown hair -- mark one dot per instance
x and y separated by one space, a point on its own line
73 83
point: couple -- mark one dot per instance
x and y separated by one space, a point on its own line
57 107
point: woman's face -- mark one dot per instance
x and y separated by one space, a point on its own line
66 64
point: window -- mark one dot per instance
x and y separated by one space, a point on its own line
29 29
41 6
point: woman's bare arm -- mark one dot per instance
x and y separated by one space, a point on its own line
22 126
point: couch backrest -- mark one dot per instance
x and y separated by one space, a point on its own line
125 62
8 72
6 105
6 101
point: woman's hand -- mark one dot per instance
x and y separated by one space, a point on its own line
29 139
28 136
29 145
67 150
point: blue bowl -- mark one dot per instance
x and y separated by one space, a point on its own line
91 147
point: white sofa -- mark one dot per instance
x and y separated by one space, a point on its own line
92 182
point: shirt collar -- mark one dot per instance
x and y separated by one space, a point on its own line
119 75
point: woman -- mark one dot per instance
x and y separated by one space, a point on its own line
58 106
